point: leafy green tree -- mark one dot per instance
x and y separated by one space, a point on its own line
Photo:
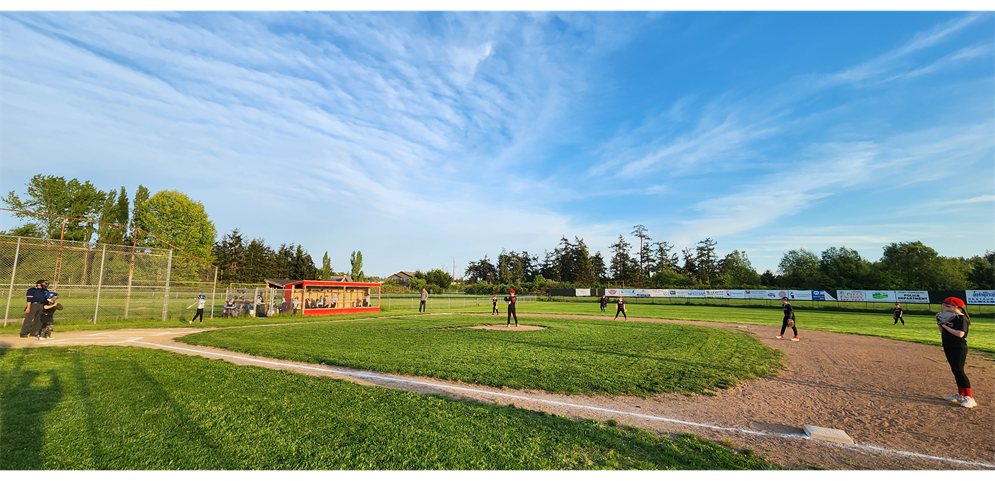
911 265
798 269
843 268
690 268
738 270
49 194
260 262
768 279
982 275
439 277
302 266
663 258
481 271
173 217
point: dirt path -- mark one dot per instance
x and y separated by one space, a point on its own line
886 395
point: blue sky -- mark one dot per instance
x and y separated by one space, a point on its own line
420 138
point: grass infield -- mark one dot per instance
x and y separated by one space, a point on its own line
126 408
570 356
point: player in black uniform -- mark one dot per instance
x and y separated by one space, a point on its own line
620 304
511 300
604 302
494 309
953 334
898 314
789 319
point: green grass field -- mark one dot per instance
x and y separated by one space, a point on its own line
125 408
569 356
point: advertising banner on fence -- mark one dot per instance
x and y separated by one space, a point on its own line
583 293
696 293
659 293
981 297
677 293
912 297
715 293
822 296
735 294
880 296
755 294
800 295
851 296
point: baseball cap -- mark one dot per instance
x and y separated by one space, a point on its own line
202 296
50 294
512 291
953 301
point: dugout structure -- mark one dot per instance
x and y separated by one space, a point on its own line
322 298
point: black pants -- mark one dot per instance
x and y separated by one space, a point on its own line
899 319
784 325
603 307
32 320
511 312
421 306
621 311
956 357
200 314
494 309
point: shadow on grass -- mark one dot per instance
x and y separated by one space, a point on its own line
25 396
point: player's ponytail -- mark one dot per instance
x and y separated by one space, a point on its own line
963 312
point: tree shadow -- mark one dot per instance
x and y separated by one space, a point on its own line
25 396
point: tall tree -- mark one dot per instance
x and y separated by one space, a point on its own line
598 267
260 262
707 261
326 267
982 274
229 253
580 258
356 261
663 259
690 267
639 231
622 266
141 197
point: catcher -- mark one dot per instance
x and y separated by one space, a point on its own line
48 315
789 319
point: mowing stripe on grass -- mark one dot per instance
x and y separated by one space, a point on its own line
371 375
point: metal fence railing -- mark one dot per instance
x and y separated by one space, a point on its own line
102 282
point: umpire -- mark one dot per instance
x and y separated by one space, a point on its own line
33 310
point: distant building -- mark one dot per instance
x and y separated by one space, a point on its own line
402 277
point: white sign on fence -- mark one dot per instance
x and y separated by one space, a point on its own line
800 295
980 297
583 293
715 294
735 294
851 296
912 297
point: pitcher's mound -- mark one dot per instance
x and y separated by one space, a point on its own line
512 328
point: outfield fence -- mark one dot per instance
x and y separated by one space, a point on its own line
103 282
445 301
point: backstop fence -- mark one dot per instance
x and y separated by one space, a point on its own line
104 282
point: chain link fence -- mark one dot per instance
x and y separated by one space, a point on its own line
104 282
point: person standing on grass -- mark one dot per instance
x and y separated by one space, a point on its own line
953 323
201 300
604 303
422 299
512 301
494 309
789 319
620 306
32 311
898 314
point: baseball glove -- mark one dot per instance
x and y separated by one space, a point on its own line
58 306
791 323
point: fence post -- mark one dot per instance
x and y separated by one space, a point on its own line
13 271
100 283
214 288
165 297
